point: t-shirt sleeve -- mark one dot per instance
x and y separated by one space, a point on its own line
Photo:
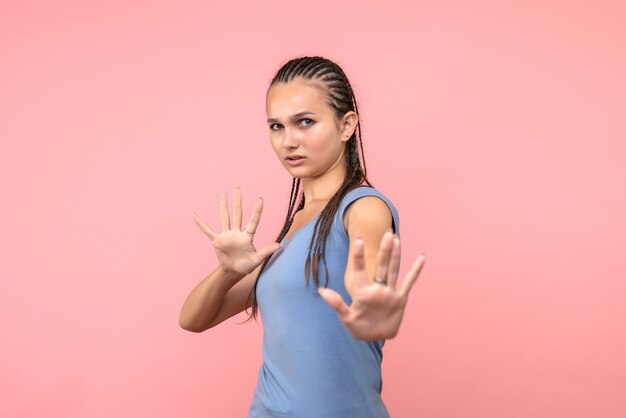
354 195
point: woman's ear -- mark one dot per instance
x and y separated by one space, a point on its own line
350 120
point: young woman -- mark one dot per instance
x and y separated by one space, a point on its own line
322 343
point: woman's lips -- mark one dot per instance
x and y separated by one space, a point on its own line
296 161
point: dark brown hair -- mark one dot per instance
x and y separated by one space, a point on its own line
340 97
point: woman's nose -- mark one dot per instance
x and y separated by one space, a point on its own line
289 140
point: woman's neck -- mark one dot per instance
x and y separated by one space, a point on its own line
322 188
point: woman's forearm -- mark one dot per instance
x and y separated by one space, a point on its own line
205 300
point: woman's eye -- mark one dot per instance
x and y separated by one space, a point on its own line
278 124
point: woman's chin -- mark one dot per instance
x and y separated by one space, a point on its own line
295 171
299 174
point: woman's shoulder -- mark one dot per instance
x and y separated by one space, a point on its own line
362 191
366 190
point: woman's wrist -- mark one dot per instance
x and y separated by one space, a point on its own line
230 276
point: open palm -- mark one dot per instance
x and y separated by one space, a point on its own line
377 309
233 245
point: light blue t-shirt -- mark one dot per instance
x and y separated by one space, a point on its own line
312 366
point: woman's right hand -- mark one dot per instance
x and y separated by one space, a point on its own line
234 247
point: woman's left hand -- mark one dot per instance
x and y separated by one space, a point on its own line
377 308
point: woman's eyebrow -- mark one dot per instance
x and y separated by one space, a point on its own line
292 117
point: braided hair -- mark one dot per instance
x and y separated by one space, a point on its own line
340 97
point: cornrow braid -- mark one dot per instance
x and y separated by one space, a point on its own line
327 75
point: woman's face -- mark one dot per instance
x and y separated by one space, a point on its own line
316 136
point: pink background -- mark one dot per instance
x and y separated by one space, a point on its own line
496 128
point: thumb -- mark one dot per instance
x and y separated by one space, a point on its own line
268 249
335 301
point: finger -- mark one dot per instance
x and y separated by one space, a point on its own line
394 264
360 274
255 217
267 251
208 231
335 301
382 258
237 211
224 212
412 275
